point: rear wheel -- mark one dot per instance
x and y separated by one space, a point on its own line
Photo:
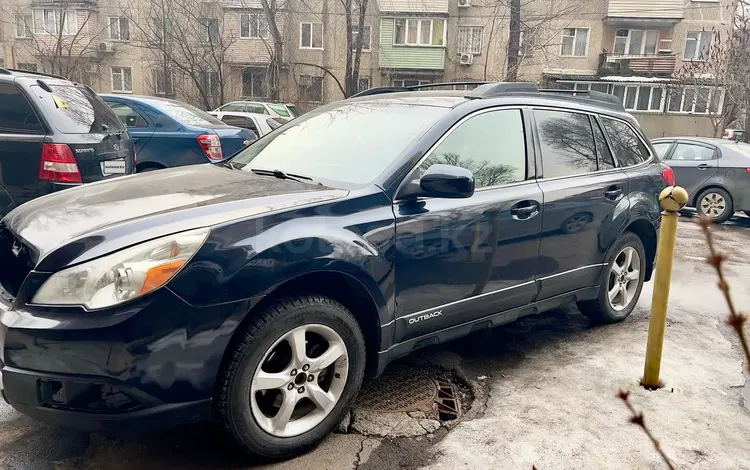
621 284
292 376
145 168
716 204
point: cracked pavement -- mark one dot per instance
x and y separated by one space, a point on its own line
544 395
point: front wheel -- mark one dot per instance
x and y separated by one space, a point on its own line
621 284
292 376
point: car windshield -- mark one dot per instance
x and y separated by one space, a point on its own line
351 144
74 109
185 113
280 110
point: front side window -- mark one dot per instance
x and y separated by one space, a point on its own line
256 108
419 32
119 28
698 45
254 25
470 40
280 109
311 36
122 79
567 143
311 88
628 148
16 113
241 121
491 145
692 152
233 107
575 42
342 146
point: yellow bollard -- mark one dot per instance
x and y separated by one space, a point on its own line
672 198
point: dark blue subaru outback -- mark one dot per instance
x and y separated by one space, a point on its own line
259 291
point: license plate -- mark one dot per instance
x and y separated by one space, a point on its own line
113 167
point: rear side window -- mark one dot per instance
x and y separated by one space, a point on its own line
490 145
628 148
128 116
16 113
567 143
185 113
76 110
606 162
692 152
662 148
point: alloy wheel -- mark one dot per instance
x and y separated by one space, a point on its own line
713 205
624 277
299 380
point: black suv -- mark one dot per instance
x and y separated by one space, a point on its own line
259 291
55 134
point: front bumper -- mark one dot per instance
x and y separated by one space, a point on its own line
150 364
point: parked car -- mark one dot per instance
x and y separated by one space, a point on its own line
715 172
170 133
282 112
55 134
259 291
259 124
738 135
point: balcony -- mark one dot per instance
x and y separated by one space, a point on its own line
663 12
659 65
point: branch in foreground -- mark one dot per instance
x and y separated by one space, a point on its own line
637 418
716 259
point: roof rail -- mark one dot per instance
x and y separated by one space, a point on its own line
604 98
396 89
8 71
491 90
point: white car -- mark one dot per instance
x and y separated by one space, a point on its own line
261 124
284 112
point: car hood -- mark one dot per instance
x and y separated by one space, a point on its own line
98 218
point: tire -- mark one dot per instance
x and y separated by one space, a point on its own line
265 348
603 310
717 199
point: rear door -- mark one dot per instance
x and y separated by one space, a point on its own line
693 164
21 138
584 199
245 122
99 141
139 126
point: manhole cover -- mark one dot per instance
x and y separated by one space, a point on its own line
399 389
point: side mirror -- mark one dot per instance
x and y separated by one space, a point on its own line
447 181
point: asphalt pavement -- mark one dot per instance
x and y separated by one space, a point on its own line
544 395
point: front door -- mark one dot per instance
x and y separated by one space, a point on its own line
693 164
462 259
584 201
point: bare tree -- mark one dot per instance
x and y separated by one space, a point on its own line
354 43
514 41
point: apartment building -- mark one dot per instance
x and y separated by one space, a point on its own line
212 51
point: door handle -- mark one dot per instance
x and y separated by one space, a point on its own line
524 210
613 192
703 167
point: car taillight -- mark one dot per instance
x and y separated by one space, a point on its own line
748 170
211 144
668 176
58 164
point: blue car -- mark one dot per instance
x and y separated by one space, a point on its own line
259 291
170 133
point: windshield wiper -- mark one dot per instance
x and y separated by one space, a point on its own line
280 175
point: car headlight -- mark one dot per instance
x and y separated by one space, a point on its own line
123 275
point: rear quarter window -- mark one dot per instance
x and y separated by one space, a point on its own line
628 148
73 109
16 113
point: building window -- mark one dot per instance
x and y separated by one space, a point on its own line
575 42
23 25
47 21
254 83
119 29
418 32
407 82
163 82
366 37
210 83
254 25
527 43
633 97
311 35
363 83
698 45
311 88
700 100
122 79
27 66
636 41
465 86
470 40
209 30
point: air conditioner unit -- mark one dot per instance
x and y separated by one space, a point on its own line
466 59
106 47
464 3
